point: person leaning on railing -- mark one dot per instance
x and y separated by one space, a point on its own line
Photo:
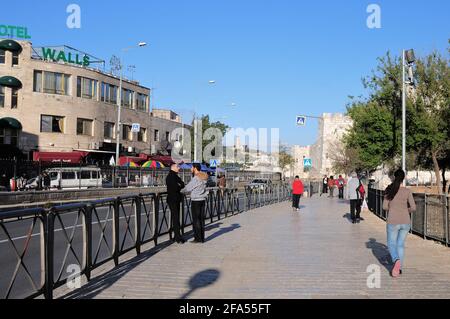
399 202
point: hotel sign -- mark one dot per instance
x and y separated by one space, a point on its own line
13 31
52 54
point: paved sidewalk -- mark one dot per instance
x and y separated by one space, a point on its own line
273 252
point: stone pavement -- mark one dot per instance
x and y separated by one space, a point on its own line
273 252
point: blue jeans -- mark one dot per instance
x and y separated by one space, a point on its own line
396 236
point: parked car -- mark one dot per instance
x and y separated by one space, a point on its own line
260 183
70 178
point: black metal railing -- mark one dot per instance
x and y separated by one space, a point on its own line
430 220
38 245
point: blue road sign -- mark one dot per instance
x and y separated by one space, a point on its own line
135 127
307 162
214 163
301 120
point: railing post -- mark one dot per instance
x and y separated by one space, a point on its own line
183 213
211 207
447 233
49 254
156 216
87 240
425 218
138 200
116 231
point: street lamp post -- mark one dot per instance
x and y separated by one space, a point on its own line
408 60
119 109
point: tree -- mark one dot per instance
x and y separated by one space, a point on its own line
376 133
432 103
345 159
285 160
371 136
206 124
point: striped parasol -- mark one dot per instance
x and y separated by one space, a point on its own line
131 164
153 164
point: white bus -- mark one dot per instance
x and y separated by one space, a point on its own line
70 178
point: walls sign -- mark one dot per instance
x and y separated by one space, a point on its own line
61 56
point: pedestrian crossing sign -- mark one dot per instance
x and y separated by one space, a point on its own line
301 120
214 163
307 162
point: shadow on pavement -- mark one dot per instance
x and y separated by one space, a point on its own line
201 280
381 252
223 231
109 278
349 217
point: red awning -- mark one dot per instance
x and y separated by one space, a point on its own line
57 157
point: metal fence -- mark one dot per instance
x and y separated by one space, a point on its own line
118 177
39 246
430 220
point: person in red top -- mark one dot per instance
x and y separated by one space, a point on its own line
341 184
297 192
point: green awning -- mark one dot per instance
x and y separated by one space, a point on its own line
10 123
10 45
10 81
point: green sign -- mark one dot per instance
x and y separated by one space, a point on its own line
12 31
61 56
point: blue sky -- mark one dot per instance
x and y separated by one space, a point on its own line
274 59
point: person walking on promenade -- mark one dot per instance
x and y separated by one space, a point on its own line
399 202
341 184
222 184
297 192
324 185
47 181
197 189
354 194
174 199
331 185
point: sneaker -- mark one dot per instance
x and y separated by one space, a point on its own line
298 209
396 269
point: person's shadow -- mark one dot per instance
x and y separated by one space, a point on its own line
348 216
201 280
223 231
381 252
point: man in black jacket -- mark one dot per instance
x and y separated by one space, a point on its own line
174 185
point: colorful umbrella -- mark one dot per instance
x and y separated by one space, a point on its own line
153 164
131 164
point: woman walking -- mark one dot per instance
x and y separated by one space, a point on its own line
297 192
399 203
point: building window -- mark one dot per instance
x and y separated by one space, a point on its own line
127 98
109 130
51 83
126 133
2 56
86 88
52 124
2 96
14 98
84 127
141 102
167 136
9 136
109 93
156 136
142 135
15 58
